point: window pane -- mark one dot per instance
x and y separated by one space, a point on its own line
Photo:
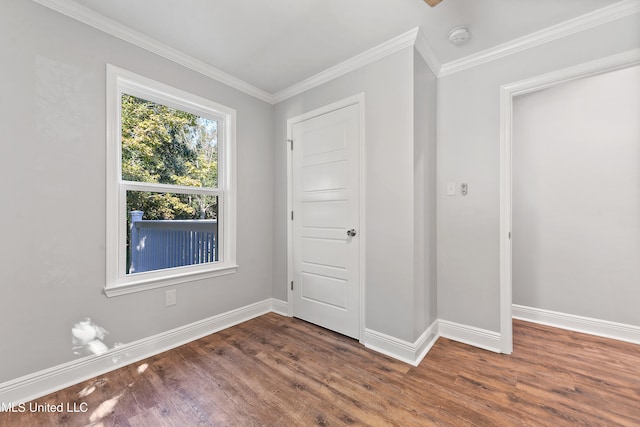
167 230
164 145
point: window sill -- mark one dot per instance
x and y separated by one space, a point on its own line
146 283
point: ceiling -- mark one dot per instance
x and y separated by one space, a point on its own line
274 44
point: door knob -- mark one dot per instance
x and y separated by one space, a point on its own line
351 232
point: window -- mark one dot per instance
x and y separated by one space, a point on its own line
170 185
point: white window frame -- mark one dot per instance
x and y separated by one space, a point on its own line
118 282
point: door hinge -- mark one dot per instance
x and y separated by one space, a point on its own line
509 235
291 141
291 215
292 285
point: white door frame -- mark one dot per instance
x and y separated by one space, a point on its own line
358 100
507 93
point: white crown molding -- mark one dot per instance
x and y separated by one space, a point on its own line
374 54
575 25
38 384
411 353
413 37
571 322
471 335
424 49
109 26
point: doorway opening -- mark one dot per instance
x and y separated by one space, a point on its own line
507 95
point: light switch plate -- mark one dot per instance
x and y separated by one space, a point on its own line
170 298
451 189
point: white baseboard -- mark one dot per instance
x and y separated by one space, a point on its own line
477 337
411 353
33 386
587 325
38 384
280 307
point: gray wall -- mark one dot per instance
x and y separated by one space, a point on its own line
389 186
52 114
52 164
424 105
469 150
576 197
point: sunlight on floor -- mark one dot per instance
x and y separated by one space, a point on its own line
107 407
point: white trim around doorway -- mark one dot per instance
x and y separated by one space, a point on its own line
507 93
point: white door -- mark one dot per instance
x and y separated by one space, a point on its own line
326 212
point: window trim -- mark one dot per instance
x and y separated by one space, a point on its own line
117 281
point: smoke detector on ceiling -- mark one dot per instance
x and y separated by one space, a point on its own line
458 35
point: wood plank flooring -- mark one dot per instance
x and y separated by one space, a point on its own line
279 371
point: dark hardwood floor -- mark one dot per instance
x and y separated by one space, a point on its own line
278 371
